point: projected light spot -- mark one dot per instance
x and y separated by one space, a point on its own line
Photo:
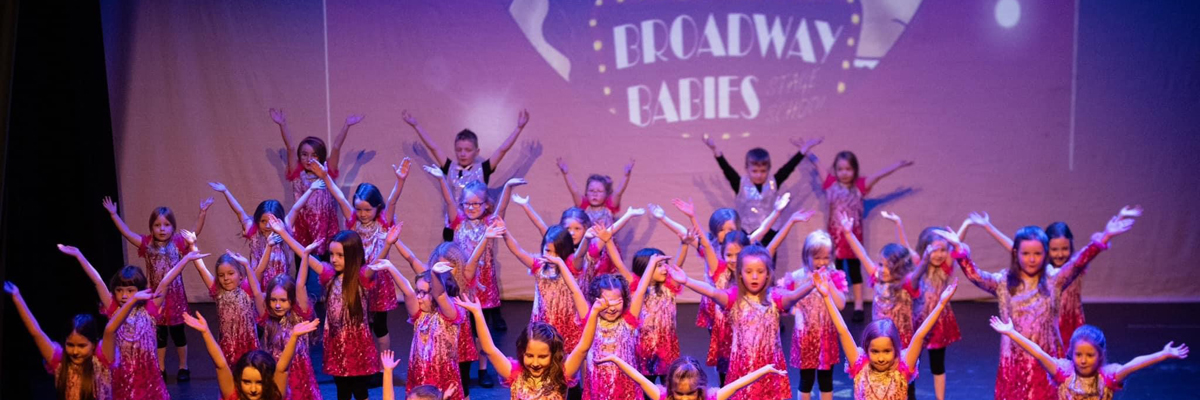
1008 13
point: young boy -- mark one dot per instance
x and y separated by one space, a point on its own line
756 192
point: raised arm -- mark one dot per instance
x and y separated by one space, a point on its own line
575 360
205 275
280 119
224 375
425 138
256 290
620 192
447 196
798 216
1168 352
174 272
639 293
45 346
322 171
989 282
614 255
243 219
900 237
701 287
529 211
501 362
291 215
873 179
202 215
394 197
388 360
859 251
1006 328
277 226
494 231
985 221
628 215
918 339
108 345
129 234
283 365
335 151
577 297
97 282
406 290
789 297
848 346
1116 226
506 195
657 212
522 119
516 249
728 390
418 266
302 274
648 387
444 303
780 203
571 185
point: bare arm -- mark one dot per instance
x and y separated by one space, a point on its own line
347 208
648 387
291 215
918 339
174 272
129 234
224 375
873 179
571 185
639 293
516 249
614 255
394 197
844 336
522 119
728 390
985 221
1006 328
335 151
202 215
506 196
406 290
629 214
45 346
243 219
860 252
499 360
109 345
1168 352
657 212
798 216
575 360
620 192
529 211
425 138
283 366
97 282
447 196
417 265
277 226
903 240
701 287
302 277
280 119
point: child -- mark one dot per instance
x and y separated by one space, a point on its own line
256 375
814 339
238 300
286 308
599 200
82 368
161 249
892 364
617 329
465 167
657 339
755 191
1029 297
257 233
350 354
433 357
1083 374
368 215
754 308
894 291
1062 246
315 217
424 392
844 190
543 372
137 375
686 380
557 299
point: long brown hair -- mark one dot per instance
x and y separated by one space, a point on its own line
1028 233
272 326
545 333
83 325
352 261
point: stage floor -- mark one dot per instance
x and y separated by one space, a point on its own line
1131 330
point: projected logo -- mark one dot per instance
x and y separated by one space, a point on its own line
668 63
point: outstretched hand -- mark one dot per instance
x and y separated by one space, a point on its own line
949 291
109 205
629 167
635 211
278 116
204 204
1180 351
312 246
393 233
188 236
802 215
562 164
468 303
442 267
890 216
686 207
806 145
275 224
388 360
845 221
782 202
1001 326
402 170
354 119
70 250
435 171
408 118
676 274
11 289
495 230
306 327
522 119
708 141
1130 212
656 211
516 182
218 186
146 295
981 219
198 323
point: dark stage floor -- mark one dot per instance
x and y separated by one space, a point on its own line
1132 330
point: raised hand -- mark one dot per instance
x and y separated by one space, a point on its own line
237 257
109 205
782 202
949 291
218 186
629 167
653 263
1117 226
820 284
194 255
354 119
1130 212
516 182
635 211
275 224
690 237
274 239
388 359
442 267
393 233
845 221
146 295
317 185
496 230
806 145
562 164
312 246
204 204
380 265
435 171
771 369
802 215
676 274
306 327
408 118
70 250
1179 352
278 116
469 304
198 323
979 219
950 236
686 207
188 236
890 216
600 232
708 141
11 289
402 170
522 119
520 200
320 169
656 211
1003 326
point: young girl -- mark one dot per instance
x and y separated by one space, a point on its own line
238 300
686 380
754 309
137 375
814 339
258 234
1083 374
285 309
543 372
433 357
1062 246
424 392
557 299
256 375
1029 297
161 249
82 368
599 200
373 219
657 339
350 354
844 190
933 271
316 217
893 288
892 364
617 330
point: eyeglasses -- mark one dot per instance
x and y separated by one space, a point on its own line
473 205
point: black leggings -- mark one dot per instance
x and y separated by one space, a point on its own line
379 324
824 379
937 361
178 335
853 267
355 386
464 373
575 393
